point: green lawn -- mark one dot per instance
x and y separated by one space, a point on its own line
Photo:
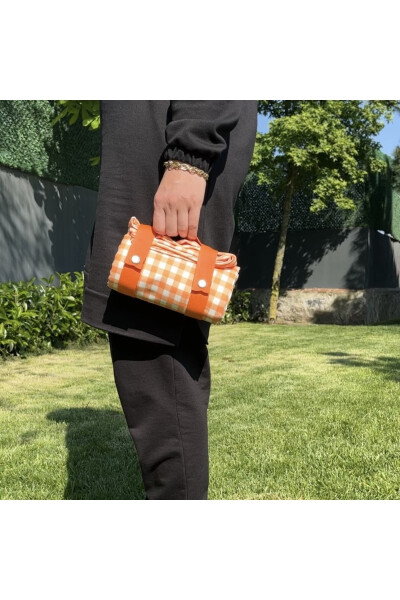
296 412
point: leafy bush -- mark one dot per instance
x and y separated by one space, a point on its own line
36 318
238 307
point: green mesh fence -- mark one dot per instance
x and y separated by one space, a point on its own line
378 207
61 153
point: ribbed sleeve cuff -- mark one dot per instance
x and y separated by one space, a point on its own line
175 153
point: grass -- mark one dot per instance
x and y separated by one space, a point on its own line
296 412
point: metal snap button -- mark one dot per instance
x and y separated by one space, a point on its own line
135 259
202 283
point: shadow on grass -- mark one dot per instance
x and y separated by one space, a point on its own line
102 462
389 366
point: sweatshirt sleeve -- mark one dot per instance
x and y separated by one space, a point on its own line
195 133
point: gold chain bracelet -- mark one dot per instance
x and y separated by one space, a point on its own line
176 164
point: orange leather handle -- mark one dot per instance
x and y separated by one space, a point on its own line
201 281
135 259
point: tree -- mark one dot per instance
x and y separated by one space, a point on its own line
319 146
90 115
396 169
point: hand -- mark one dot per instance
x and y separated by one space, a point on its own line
177 204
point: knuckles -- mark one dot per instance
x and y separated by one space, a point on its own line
168 202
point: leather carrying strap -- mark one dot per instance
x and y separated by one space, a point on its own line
201 281
138 251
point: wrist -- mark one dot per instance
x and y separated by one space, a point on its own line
176 164
188 156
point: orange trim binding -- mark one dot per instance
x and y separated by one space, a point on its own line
201 282
138 250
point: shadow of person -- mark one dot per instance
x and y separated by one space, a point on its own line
102 462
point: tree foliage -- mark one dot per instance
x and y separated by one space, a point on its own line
328 143
321 147
396 169
89 110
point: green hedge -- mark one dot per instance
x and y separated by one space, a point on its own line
35 318
30 143
238 307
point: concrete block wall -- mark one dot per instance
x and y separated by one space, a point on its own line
44 226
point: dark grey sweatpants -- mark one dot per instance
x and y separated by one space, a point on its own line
164 393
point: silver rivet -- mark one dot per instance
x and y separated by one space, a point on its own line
135 259
202 283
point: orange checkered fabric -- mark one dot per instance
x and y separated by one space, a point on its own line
166 275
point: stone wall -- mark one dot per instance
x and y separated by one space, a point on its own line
330 306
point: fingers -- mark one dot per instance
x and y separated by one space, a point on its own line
159 220
174 223
193 222
171 222
182 222
177 204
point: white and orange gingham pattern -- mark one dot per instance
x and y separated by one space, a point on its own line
167 275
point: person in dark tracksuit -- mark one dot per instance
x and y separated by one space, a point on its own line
160 357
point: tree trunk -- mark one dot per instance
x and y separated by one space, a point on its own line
276 277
